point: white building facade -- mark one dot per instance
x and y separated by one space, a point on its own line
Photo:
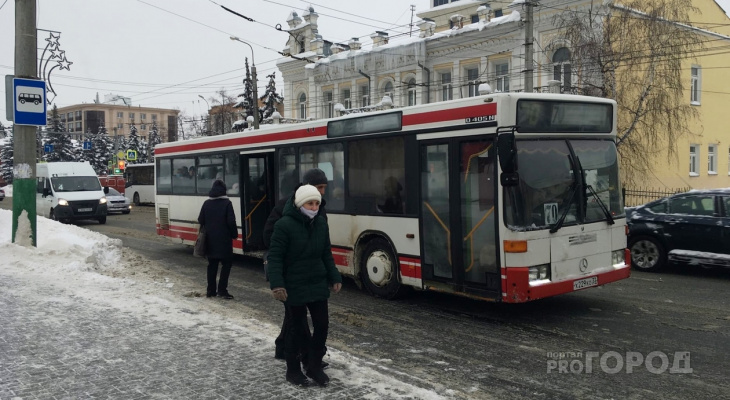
458 46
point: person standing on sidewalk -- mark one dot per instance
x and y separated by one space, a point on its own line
219 220
317 178
301 272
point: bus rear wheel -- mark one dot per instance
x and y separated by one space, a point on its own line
379 270
136 199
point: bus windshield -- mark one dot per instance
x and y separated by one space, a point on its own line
563 182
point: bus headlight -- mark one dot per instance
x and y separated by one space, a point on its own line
102 200
617 257
539 272
62 202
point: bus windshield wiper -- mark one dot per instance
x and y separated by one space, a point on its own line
609 217
561 220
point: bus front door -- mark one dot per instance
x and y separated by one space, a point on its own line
458 221
257 197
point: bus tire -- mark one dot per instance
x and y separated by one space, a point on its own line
379 269
135 199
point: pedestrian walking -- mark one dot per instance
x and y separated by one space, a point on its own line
317 178
301 272
219 220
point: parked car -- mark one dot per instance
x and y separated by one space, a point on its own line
2 194
691 227
116 202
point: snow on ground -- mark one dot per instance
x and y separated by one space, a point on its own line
97 268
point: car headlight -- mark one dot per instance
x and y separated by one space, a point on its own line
102 200
62 202
539 272
617 257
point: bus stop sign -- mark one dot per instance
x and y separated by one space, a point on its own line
29 102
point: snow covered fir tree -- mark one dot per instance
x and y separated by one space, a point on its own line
139 146
270 98
245 101
63 148
6 160
153 139
101 150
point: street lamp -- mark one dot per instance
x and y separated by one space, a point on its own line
207 118
255 83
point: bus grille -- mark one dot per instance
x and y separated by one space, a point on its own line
164 219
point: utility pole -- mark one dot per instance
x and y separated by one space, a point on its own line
410 27
24 149
528 47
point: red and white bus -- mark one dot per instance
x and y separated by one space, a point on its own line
506 197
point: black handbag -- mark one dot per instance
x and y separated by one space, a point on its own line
199 249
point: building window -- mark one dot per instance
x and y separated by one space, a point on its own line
78 126
120 115
472 74
561 67
154 117
328 105
302 106
78 114
474 18
70 116
501 72
695 86
446 92
131 117
694 154
142 116
498 13
346 101
712 159
364 96
143 127
388 90
412 92
120 126
437 3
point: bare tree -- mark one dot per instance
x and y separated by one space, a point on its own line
634 53
222 114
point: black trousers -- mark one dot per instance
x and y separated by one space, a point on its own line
297 336
213 272
281 339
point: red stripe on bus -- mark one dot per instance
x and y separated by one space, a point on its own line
449 114
245 140
410 267
517 287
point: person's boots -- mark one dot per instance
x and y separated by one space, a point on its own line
294 373
314 367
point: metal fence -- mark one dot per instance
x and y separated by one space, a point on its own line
639 196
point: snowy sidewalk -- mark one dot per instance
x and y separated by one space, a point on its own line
73 328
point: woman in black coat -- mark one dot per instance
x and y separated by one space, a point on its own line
219 220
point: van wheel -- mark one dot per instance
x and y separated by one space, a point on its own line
379 270
102 220
136 199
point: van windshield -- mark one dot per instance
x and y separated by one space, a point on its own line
75 183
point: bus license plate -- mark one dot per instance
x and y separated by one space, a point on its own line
585 283
84 209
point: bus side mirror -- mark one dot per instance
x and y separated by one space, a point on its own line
106 189
507 152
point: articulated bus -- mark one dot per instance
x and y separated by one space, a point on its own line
140 186
506 197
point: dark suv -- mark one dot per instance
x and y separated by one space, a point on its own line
692 227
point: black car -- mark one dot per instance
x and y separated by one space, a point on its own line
692 227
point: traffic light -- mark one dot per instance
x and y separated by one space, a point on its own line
120 164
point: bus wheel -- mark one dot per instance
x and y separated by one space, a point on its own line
136 199
379 269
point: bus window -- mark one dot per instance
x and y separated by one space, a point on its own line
376 175
182 181
288 174
330 159
230 173
164 176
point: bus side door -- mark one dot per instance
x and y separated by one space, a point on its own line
257 199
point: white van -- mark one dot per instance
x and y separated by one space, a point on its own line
70 190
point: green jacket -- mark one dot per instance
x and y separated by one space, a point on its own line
300 257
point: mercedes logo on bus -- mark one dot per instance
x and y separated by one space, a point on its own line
583 265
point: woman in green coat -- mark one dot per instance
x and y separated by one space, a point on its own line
301 272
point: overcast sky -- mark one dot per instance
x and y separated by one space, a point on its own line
166 53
